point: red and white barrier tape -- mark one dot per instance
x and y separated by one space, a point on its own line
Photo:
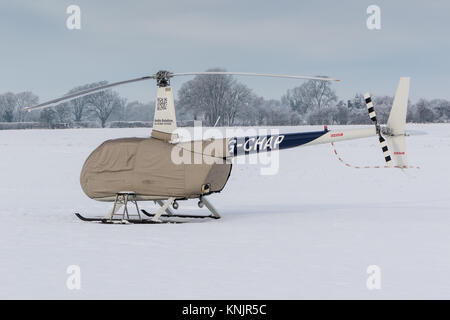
368 167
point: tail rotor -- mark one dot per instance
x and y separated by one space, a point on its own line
373 117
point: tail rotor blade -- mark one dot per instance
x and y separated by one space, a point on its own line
370 108
384 148
373 117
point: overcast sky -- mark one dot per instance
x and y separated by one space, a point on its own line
125 39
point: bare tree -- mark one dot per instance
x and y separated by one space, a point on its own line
23 100
119 112
237 98
79 105
422 112
214 96
311 95
103 104
441 109
341 113
63 111
187 105
137 111
357 102
47 117
8 102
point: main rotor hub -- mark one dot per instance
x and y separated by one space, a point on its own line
163 78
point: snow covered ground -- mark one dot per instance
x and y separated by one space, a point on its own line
310 231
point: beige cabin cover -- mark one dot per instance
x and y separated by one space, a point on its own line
145 166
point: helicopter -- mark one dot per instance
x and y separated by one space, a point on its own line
126 171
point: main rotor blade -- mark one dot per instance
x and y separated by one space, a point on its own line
253 74
82 93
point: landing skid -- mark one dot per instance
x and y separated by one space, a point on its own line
151 215
162 215
165 212
124 221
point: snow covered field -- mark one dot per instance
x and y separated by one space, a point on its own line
310 231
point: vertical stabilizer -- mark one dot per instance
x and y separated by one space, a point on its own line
397 118
396 124
164 122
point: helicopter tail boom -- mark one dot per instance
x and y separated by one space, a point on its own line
391 136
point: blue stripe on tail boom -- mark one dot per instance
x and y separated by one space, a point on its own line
247 145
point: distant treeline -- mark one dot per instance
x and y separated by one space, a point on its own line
211 99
